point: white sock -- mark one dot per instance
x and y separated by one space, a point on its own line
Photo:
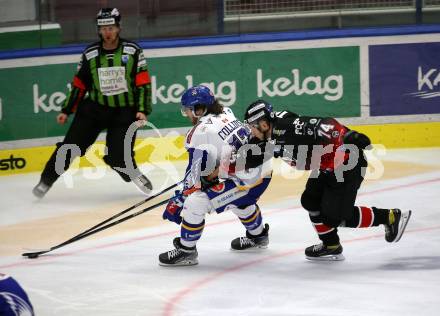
188 243
257 231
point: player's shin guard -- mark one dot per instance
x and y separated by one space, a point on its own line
394 220
330 249
191 233
364 217
257 235
251 219
327 234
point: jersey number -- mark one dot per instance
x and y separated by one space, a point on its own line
239 138
324 129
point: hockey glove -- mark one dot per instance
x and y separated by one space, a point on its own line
358 139
206 183
174 207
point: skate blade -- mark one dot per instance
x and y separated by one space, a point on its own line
339 257
253 249
183 263
38 194
404 219
145 191
143 184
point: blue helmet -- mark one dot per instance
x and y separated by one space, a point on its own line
197 95
257 111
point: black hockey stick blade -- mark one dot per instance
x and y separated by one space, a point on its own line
36 254
125 211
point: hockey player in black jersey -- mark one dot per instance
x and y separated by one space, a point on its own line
335 155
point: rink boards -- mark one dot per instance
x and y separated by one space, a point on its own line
170 148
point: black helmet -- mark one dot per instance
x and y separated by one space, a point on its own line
258 110
108 16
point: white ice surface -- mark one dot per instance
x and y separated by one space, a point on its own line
119 275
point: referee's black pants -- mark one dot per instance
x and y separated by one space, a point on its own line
90 120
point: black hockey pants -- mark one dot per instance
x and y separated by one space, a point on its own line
331 202
90 120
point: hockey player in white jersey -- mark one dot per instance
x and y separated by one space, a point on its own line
216 135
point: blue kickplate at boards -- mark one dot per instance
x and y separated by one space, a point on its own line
404 79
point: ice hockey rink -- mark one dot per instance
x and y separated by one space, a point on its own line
116 272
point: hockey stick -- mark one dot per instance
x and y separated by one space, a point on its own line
127 210
113 217
123 212
33 255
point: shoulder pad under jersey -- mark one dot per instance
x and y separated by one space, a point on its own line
285 115
91 51
197 135
127 43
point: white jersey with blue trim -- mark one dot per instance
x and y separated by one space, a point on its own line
213 129
213 141
212 138
13 299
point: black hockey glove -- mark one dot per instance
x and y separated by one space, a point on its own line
358 139
206 184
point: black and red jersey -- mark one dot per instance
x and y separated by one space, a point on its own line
308 142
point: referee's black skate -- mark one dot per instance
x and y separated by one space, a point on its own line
41 189
180 256
320 252
143 183
251 241
396 224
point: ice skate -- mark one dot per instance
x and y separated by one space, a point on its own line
143 183
397 224
180 256
252 242
41 189
321 252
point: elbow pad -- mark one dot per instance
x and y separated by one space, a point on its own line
358 139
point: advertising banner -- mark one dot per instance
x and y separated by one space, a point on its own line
404 79
316 81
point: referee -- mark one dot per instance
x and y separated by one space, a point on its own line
111 89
